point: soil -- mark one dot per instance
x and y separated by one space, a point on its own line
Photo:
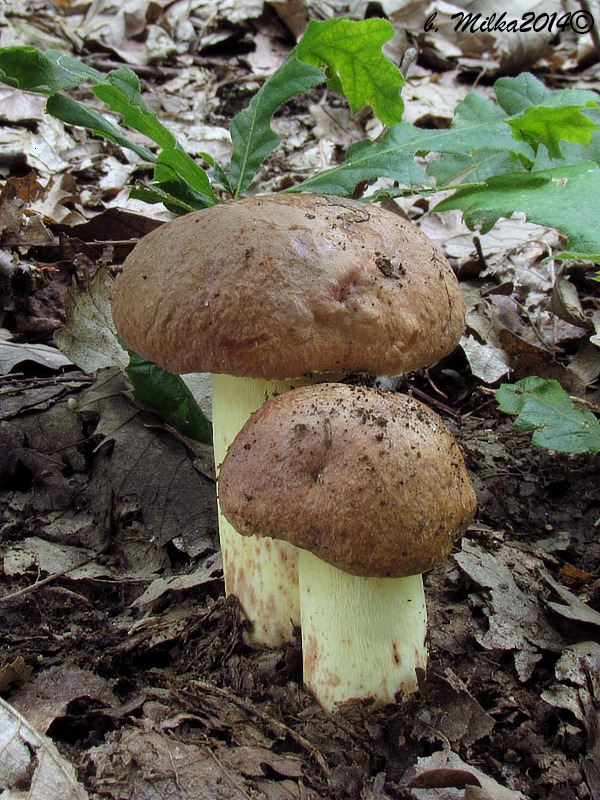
103 674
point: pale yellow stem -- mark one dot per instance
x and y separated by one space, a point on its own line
261 572
362 638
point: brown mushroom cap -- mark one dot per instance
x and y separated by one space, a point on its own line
371 482
278 286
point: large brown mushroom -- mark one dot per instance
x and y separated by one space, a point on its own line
271 292
374 490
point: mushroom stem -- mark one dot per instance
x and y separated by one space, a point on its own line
261 572
362 638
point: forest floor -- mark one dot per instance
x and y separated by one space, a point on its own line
119 651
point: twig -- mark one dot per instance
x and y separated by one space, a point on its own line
38 584
587 6
579 401
280 728
227 775
433 401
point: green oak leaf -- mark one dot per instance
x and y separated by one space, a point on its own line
392 156
566 198
516 95
26 68
251 133
549 126
357 68
72 112
122 92
479 126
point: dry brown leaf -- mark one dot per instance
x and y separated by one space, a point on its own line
451 712
47 698
15 672
13 354
572 608
565 303
17 106
489 363
146 477
206 571
31 768
151 764
89 338
52 558
254 762
516 621
447 771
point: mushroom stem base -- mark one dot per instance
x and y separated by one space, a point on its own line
362 638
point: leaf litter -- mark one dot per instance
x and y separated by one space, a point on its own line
117 642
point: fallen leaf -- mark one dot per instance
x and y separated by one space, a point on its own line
53 558
451 711
206 571
487 362
15 672
89 338
13 354
445 769
17 106
47 698
255 762
577 691
31 767
565 303
149 764
145 477
516 621
572 609
37 394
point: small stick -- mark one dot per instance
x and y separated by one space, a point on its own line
45 581
587 6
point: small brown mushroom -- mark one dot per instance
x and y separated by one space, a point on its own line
374 490
271 292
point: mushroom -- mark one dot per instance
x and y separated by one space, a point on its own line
374 490
271 292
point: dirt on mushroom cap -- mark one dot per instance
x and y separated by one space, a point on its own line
277 286
371 482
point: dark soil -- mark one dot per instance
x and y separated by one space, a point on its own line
182 660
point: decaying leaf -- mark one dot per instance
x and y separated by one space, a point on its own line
14 354
566 304
577 691
146 478
52 558
206 571
516 621
89 338
158 765
446 770
31 767
15 672
48 697
572 608
450 712
487 362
